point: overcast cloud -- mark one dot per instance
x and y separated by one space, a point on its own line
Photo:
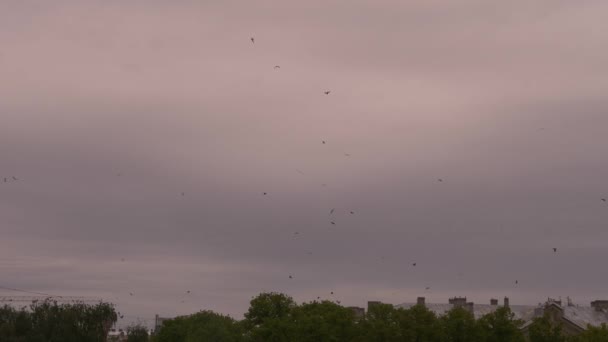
109 110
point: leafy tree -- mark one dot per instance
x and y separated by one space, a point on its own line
267 306
542 330
381 324
200 327
418 324
459 325
137 333
323 322
500 326
594 334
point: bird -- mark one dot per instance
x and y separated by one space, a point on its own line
183 194
252 40
318 297
296 233
440 180
327 92
321 141
352 212
338 301
277 67
414 264
603 200
332 292
554 250
332 222
332 211
188 291
122 259
516 282
290 277
265 193
428 288
15 178
130 293
5 180
347 154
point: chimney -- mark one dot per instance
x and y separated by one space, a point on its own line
420 301
494 302
506 302
600 305
372 303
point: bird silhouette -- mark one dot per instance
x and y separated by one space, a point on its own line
122 259
516 282
352 212
414 264
332 211
428 288
603 200
5 179
265 193
183 194
15 178
347 154
277 67
327 92
130 293
332 222
554 250
440 180
296 233
290 277
188 291
322 142
332 292
252 40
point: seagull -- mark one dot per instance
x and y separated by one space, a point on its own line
290 277
277 67
603 200
332 222
332 211
352 212
265 193
554 250
327 92
414 264
252 40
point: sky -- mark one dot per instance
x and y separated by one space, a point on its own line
144 134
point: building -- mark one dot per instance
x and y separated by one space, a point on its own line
158 323
573 318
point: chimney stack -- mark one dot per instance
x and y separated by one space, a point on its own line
420 301
493 302
506 302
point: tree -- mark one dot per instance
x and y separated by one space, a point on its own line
323 322
137 333
500 326
594 334
542 330
268 306
459 325
418 324
200 327
381 324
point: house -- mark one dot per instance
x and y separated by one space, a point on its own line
574 319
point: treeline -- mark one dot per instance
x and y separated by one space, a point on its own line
48 320
274 317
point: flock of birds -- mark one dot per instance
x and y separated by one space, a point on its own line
331 212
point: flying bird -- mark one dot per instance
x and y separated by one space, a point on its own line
603 200
332 222
554 250
4 179
183 194
252 40
327 92
322 142
516 282
332 292
265 193
15 178
428 288
347 154
332 211
296 233
440 180
122 259
188 291
277 67
130 293
414 264
290 277
352 212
